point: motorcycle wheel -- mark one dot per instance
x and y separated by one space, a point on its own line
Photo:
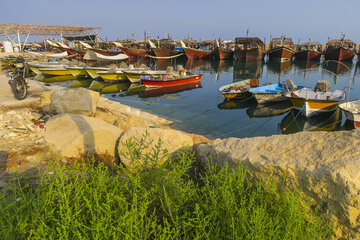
19 87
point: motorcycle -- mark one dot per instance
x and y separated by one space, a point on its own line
18 83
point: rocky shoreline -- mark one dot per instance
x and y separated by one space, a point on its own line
78 122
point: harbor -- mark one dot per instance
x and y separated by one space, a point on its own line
160 109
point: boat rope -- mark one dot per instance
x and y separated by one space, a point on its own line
170 57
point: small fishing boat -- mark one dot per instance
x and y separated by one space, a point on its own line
155 92
170 79
77 71
93 71
113 76
239 90
281 49
352 111
274 92
55 71
317 101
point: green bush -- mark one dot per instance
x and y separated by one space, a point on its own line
153 201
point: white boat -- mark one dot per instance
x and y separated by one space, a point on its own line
352 111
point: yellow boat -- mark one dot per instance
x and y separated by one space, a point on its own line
55 71
112 77
77 71
93 71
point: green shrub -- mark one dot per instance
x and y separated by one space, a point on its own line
153 201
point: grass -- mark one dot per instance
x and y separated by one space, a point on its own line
86 200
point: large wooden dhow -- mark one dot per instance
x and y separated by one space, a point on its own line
281 49
340 50
249 49
223 51
310 51
196 53
164 50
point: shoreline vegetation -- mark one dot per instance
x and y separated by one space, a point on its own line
179 199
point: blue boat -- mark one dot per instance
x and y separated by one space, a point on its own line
274 92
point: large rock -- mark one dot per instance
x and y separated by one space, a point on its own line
172 141
73 100
73 136
326 166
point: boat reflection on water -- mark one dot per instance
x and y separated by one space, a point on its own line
53 79
198 64
162 64
224 66
115 88
270 109
237 103
295 121
303 65
247 70
279 67
337 68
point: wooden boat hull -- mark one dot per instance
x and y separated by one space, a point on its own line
249 55
106 52
164 53
222 54
113 77
134 53
281 54
308 55
162 83
192 53
339 54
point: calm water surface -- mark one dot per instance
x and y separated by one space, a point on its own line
200 108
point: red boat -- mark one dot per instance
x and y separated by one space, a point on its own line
165 53
340 50
172 81
153 92
308 51
312 55
249 49
134 52
192 53
222 54
281 49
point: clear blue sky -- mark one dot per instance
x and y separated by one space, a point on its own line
202 19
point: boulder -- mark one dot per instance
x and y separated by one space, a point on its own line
324 165
73 136
172 141
76 100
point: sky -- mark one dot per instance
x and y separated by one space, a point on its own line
199 19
